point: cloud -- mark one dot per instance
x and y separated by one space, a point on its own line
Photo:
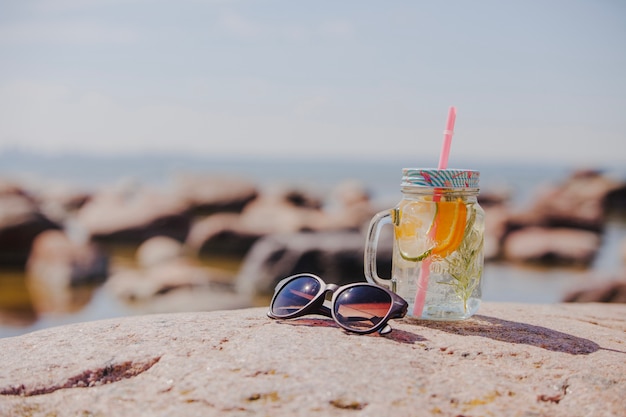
66 32
338 29
235 24
66 5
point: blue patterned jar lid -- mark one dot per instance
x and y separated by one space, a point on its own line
440 178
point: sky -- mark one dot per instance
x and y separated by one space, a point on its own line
532 81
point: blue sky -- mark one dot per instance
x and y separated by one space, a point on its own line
533 81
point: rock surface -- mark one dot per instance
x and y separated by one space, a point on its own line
511 359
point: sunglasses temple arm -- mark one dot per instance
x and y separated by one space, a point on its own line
385 329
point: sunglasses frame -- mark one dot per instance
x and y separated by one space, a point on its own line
397 309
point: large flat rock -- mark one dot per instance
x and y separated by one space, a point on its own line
510 360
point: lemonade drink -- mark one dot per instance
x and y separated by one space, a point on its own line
438 244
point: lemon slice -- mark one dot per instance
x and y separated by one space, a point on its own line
413 222
429 228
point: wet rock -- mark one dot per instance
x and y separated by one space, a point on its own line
615 200
60 201
349 206
610 292
208 194
553 246
60 273
221 234
20 222
77 263
496 227
494 197
301 198
141 284
176 285
278 212
158 250
234 234
337 257
132 215
163 268
578 202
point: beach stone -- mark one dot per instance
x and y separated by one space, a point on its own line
557 360
221 234
75 263
496 196
609 292
337 257
20 222
279 211
496 227
615 200
144 283
59 201
158 250
214 193
278 214
577 202
60 273
553 246
132 214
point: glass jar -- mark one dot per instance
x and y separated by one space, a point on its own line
438 241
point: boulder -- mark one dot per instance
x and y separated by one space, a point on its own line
615 200
141 284
176 285
349 207
337 257
132 215
60 201
557 360
164 268
552 246
207 194
20 222
496 227
609 292
498 196
158 250
279 212
79 263
221 234
166 278
578 202
60 273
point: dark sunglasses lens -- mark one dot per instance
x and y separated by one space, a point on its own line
361 308
296 294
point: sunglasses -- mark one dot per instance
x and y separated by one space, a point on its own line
360 307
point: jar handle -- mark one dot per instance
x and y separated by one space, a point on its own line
379 220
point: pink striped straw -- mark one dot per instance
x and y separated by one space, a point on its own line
447 139
422 281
